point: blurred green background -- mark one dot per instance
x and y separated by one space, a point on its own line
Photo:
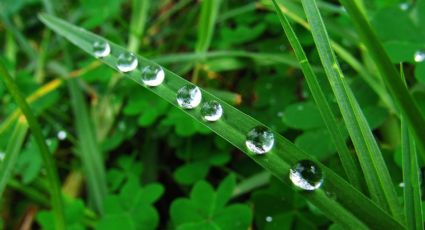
162 169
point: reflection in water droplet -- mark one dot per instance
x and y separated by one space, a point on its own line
306 175
62 135
420 56
101 49
401 185
259 140
269 219
127 62
211 111
152 75
189 96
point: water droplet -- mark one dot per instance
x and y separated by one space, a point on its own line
189 96
127 62
401 185
269 219
152 75
101 49
211 111
404 6
2 155
280 114
62 135
259 140
48 142
420 56
306 175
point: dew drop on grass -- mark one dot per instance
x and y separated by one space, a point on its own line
306 175
62 135
101 49
259 140
404 6
127 62
420 56
152 75
189 96
211 111
269 219
2 155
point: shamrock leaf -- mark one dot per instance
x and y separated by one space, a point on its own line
207 209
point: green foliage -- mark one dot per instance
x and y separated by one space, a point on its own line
132 208
151 165
208 209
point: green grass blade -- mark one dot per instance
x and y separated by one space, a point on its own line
411 177
371 160
388 72
347 159
139 17
233 128
208 17
90 154
49 163
293 13
12 153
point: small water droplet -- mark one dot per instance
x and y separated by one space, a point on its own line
48 142
211 111
269 219
122 126
101 49
306 175
420 56
404 6
401 185
62 135
2 155
280 114
189 96
300 107
259 140
127 62
152 75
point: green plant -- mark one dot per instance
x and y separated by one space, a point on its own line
143 156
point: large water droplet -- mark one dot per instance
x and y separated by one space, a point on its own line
306 175
127 62
211 111
259 140
420 56
101 49
152 75
189 96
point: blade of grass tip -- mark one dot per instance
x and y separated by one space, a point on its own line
348 161
90 153
139 15
411 177
388 72
234 126
208 17
49 163
12 152
376 173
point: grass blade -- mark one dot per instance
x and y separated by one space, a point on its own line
234 127
347 159
139 16
373 165
411 177
12 153
49 163
90 154
388 72
208 17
